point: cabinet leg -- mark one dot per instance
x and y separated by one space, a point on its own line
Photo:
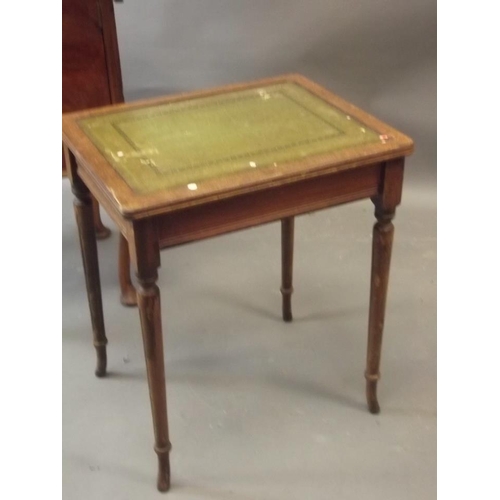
287 230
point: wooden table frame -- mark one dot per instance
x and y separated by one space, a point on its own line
379 179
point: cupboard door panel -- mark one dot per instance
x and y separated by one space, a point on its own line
84 71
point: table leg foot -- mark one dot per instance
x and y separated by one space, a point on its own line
128 297
102 232
102 360
163 479
287 231
287 304
371 394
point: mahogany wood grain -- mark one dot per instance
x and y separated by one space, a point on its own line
84 66
267 205
91 74
113 66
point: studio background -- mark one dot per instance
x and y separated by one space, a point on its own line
257 408
379 54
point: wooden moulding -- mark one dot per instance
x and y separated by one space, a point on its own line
268 205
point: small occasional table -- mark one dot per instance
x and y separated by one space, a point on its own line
182 168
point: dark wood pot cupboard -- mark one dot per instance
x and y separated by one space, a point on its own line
91 74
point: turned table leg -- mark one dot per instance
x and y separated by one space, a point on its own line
128 295
386 201
83 205
287 228
146 259
383 232
101 231
148 296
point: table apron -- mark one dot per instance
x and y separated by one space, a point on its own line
268 205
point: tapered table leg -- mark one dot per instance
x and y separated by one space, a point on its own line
148 297
101 231
383 232
84 213
128 295
287 229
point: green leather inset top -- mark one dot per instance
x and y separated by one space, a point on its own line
180 143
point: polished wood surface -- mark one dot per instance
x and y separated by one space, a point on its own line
149 222
267 205
84 67
91 73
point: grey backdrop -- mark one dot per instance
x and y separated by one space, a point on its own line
260 409
380 54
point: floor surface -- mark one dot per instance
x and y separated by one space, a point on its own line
260 409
